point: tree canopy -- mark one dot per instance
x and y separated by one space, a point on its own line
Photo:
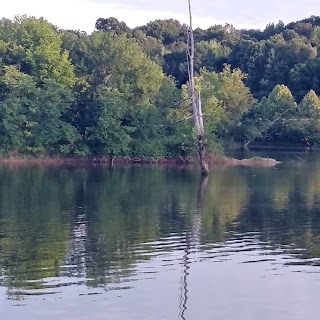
120 92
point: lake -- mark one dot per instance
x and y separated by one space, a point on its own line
161 243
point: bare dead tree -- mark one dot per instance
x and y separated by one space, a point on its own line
195 101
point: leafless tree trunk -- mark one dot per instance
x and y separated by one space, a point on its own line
195 101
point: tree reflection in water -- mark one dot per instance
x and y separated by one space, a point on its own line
192 240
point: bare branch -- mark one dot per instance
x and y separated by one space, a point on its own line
267 127
182 119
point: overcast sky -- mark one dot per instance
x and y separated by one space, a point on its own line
82 14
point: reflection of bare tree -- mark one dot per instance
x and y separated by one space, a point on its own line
76 255
184 282
202 189
192 240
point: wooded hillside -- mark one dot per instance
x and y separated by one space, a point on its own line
118 91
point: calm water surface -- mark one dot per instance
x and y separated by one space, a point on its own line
159 243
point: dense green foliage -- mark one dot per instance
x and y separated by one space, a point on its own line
116 92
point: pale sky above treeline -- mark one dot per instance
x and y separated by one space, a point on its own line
82 14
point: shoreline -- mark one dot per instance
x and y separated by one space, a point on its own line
213 160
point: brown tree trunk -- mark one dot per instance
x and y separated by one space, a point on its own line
201 140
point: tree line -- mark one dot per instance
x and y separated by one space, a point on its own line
122 92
